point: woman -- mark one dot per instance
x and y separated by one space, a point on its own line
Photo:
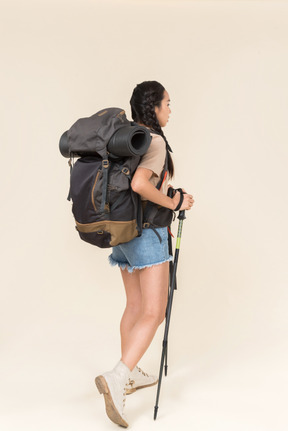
144 261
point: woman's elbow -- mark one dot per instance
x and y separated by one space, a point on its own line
136 185
140 181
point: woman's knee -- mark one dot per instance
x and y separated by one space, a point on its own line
133 308
155 315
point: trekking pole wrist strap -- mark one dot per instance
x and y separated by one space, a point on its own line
180 201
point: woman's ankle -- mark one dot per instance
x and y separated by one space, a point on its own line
122 366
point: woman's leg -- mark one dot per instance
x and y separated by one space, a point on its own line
133 308
147 291
153 283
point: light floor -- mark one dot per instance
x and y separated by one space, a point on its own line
48 370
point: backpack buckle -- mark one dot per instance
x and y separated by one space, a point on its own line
146 225
105 163
125 171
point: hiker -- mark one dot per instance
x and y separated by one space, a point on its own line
143 261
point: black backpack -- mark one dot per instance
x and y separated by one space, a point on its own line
107 211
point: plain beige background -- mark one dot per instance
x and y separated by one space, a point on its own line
224 64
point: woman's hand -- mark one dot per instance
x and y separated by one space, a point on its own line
141 185
187 203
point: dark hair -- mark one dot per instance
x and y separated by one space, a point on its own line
145 97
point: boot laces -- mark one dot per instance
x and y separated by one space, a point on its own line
141 371
130 383
125 391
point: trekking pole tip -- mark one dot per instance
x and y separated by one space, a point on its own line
155 412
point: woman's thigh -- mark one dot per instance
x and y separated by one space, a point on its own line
147 288
131 281
154 282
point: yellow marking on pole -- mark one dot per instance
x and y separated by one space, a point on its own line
179 233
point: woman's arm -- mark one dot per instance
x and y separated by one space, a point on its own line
141 185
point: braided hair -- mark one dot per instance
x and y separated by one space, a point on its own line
145 97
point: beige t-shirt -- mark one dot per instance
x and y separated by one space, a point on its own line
154 160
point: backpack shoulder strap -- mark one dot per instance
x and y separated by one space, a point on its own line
150 207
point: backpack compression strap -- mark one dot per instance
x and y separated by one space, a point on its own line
105 169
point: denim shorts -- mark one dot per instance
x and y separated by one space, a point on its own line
143 251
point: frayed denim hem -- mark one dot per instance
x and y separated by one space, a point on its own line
114 262
131 269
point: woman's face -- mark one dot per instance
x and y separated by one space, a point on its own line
163 111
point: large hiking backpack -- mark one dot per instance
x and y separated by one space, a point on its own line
107 211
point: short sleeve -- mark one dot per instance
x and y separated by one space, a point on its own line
154 158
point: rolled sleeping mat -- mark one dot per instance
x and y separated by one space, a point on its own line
129 141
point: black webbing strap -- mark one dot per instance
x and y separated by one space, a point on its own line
105 170
70 163
156 233
181 199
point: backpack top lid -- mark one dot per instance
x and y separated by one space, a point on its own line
91 135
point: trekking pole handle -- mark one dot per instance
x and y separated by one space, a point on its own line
181 215
171 193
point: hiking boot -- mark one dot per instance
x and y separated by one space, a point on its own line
138 380
113 386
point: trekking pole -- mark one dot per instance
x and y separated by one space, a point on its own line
181 217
